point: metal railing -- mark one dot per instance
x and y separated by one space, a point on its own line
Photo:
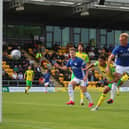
22 83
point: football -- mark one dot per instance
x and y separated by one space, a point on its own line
15 54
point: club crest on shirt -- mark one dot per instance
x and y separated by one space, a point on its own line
75 64
121 51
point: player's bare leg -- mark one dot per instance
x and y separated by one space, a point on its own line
87 95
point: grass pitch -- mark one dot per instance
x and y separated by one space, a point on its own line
48 111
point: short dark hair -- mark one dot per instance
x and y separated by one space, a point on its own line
80 44
72 49
102 57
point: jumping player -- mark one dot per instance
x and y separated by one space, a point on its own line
111 77
121 55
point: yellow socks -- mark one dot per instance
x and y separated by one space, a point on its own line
81 96
101 99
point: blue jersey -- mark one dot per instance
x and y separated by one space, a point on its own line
76 65
122 55
46 77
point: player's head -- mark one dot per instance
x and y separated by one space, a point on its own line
80 47
72 52
47 70
124 39
102 60
103 50
29 67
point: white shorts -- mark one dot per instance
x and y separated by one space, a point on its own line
121 69
79 81
46 83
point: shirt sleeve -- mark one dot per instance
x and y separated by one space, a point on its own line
87 59
115 51
83 64
68 64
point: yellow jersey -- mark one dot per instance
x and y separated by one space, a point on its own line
102 69
83 56
29 75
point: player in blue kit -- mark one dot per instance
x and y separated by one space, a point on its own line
46 78
77 64
121 55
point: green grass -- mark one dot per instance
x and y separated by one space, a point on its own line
48 111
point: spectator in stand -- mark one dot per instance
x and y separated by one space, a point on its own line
50 57
38 55
15 69
38 72
42 50
14 76
25 64
88 48
91 54
20 76
23 56
20 68
31 62
47 55
54 55
56 47
96 53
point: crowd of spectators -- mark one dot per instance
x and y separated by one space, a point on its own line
47 58
18 66
60 55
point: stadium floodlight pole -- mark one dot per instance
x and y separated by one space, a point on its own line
1 46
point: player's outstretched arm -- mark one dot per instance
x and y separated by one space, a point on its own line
111 57
90 66
61 67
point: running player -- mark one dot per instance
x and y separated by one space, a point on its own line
121 55
76 64
28 76
85 57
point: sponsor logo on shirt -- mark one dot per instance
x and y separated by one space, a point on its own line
75 64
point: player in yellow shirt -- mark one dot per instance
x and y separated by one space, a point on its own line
111 79
28 76
85 57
